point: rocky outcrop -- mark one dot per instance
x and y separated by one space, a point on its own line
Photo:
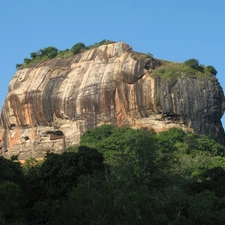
51 104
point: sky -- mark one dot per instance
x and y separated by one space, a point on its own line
174 30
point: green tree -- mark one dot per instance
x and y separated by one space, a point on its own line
104 42
77 47
134 149
11 171
212 70
44 212
18 65
27 61
31 164
168 139
59 173
206 209
10 202
210 179
173 177
100 201
50 52
11 184
32 188
91 137
193 63
33 55
207 144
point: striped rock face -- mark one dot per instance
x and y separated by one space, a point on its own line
51 104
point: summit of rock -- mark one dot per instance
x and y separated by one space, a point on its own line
50 104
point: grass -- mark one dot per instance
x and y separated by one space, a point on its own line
175 70
165 71
63 53
141 56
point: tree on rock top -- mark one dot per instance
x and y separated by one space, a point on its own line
50 51
77 47
212 70
193 63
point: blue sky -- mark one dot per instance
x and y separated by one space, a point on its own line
174 30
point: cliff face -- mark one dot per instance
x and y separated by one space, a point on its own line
50 105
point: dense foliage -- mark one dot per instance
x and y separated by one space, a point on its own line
212 70
51 52
193 63
77 47
167 69
119 176
190 68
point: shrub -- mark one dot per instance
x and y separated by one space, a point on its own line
193 63
175 70
33 55
18 65
212 70
104 42
27 61
50 52
77 47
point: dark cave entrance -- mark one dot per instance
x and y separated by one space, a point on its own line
55 135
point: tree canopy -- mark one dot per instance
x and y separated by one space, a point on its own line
212 70
51 52
193 63
119 176
77 47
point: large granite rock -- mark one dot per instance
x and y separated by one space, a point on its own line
51 104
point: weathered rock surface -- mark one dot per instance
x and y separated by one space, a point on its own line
50 105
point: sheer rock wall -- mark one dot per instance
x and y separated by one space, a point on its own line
51 104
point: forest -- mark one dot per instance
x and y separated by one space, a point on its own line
119 176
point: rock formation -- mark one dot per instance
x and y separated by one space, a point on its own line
51 104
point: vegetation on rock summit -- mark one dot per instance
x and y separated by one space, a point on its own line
52 52
189 68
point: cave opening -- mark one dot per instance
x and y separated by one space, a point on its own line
54 135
